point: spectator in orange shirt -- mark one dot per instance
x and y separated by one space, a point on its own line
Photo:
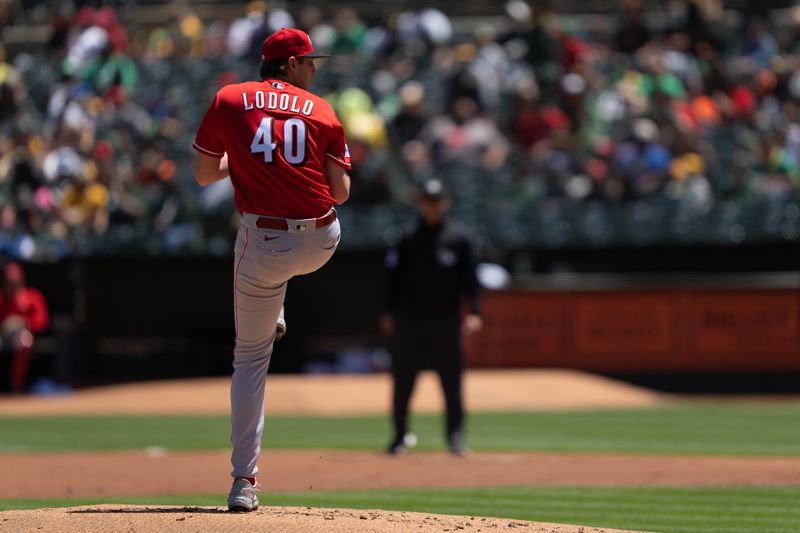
23 313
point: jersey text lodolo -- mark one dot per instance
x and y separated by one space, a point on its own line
275 101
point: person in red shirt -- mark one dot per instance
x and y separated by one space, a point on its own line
23 313
285 152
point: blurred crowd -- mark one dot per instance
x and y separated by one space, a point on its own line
549 129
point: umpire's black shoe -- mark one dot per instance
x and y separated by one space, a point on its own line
397 447
457 446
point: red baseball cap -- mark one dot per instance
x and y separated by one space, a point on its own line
288 42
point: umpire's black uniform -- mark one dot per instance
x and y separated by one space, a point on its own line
428 275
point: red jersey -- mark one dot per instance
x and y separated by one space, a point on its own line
278 138
28 303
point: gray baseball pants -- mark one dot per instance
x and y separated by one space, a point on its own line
265 260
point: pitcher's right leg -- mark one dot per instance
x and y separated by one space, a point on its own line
257 304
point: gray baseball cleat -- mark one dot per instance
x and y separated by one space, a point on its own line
280 327
242 498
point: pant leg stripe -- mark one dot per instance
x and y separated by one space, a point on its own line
235 281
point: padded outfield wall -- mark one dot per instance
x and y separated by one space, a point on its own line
709 323
122 319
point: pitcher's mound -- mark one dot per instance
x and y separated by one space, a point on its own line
285 519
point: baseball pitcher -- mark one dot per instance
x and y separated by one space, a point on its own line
285 152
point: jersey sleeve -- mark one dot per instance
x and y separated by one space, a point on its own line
337 149
209 139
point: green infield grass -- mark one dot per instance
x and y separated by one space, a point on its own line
678 510
694 428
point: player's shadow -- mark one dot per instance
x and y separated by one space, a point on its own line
154 510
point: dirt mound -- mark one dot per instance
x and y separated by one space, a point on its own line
284 519
485 390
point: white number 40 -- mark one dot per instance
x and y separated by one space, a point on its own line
294 140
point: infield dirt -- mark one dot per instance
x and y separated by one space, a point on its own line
154 472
